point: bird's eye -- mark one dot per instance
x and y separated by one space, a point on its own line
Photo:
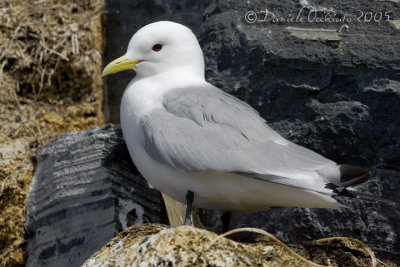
157 47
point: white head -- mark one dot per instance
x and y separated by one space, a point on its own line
159 47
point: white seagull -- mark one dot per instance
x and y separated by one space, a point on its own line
202 146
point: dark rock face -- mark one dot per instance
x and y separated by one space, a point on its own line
84 192
333 98
335 90
339 96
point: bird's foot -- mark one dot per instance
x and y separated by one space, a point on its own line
189 203
226 219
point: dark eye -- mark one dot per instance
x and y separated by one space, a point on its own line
157 47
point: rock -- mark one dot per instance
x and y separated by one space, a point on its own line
332 99
85 190
337 95
150 245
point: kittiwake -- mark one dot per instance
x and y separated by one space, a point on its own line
202 146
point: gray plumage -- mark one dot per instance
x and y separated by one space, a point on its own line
200 129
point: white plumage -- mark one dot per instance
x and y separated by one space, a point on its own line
185 134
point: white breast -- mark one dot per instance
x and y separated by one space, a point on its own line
142 96
223 191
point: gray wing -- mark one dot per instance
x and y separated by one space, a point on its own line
201 129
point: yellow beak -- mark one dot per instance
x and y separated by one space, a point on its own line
120 64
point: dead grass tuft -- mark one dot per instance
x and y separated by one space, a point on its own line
50 83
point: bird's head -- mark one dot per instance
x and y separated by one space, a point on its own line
159 47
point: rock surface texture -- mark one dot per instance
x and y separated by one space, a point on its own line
150 245
335 90
84 192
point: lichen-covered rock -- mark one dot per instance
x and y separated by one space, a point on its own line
151 245
182 246
85 190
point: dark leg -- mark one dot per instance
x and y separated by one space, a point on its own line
226 219
189 203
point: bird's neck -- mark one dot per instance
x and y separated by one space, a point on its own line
175 74
144 94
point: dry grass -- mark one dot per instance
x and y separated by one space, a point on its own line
347 241
50 83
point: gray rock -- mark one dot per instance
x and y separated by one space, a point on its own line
85 190
332 87
331 98
337 96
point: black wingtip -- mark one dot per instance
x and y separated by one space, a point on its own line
353 175
353 193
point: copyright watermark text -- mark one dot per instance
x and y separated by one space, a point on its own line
316 16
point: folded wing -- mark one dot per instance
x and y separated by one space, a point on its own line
201 129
